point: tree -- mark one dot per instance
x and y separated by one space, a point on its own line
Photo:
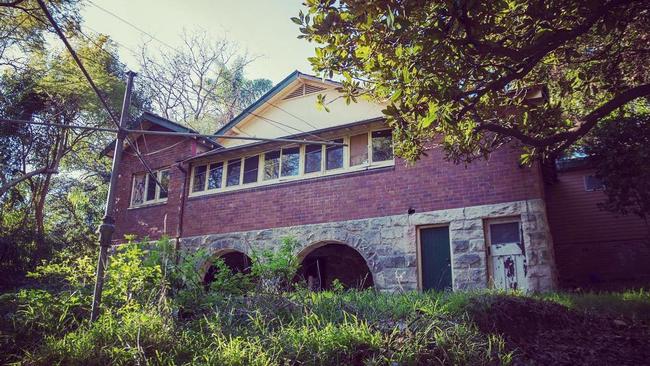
464 71
202 84
620 152
51 89
23 27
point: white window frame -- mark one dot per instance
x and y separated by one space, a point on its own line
346 168
157 199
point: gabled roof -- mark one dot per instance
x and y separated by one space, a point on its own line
270 94
161 122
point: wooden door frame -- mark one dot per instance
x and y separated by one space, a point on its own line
488 241
418 253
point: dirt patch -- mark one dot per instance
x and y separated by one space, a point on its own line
546 333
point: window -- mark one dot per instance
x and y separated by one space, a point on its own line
365 150
234 170
334 156
382 145
290 162
199 178
164 181
151 187
313 158
215 179
251 166
359 149
504 233
592 183
137 198
271 165
145 189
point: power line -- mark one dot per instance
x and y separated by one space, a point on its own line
175 49
291 114
131 24
170 133
92 84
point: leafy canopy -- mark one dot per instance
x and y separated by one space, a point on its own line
478 74
620 153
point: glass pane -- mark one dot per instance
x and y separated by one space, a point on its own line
234 168
271 165
251 166
164 181
313 158
138 190
216 175
199 178
382 145
151 187
290 161
359 149
504 233
334 156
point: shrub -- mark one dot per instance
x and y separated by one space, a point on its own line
275 270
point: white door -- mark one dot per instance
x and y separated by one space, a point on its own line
508 260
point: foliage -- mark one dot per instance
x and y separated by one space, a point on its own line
140 323
474 74
276 269
51 182
23 28
202 84
620 151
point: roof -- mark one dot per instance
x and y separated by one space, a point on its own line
325 133
161 122
270 94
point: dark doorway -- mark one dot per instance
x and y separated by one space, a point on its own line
333 261
435 258
238 262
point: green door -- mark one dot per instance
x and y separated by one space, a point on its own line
435 258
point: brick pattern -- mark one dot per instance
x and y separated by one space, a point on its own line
155 220
430 184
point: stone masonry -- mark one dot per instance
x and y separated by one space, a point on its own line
388 243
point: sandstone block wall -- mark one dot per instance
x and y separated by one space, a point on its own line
389 244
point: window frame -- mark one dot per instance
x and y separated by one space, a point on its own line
157 199
346 167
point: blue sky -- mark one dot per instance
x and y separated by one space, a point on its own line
260 27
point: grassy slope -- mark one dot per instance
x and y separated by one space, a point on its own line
483 328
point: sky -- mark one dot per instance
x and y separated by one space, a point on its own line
261 28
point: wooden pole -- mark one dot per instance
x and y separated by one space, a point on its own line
107 228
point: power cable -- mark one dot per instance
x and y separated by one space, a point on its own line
177 50
93 86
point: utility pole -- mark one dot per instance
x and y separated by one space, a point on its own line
107 228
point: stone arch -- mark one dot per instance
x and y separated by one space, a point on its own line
323 262
238 262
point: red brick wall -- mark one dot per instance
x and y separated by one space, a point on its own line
156 220
593 246
432 184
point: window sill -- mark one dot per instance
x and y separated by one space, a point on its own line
303 178
145 205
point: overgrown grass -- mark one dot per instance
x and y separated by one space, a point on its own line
155 313
634 304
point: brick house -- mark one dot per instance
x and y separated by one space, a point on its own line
360 214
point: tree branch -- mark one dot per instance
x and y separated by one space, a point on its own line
584 125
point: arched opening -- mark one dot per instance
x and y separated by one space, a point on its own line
333 261
236 261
